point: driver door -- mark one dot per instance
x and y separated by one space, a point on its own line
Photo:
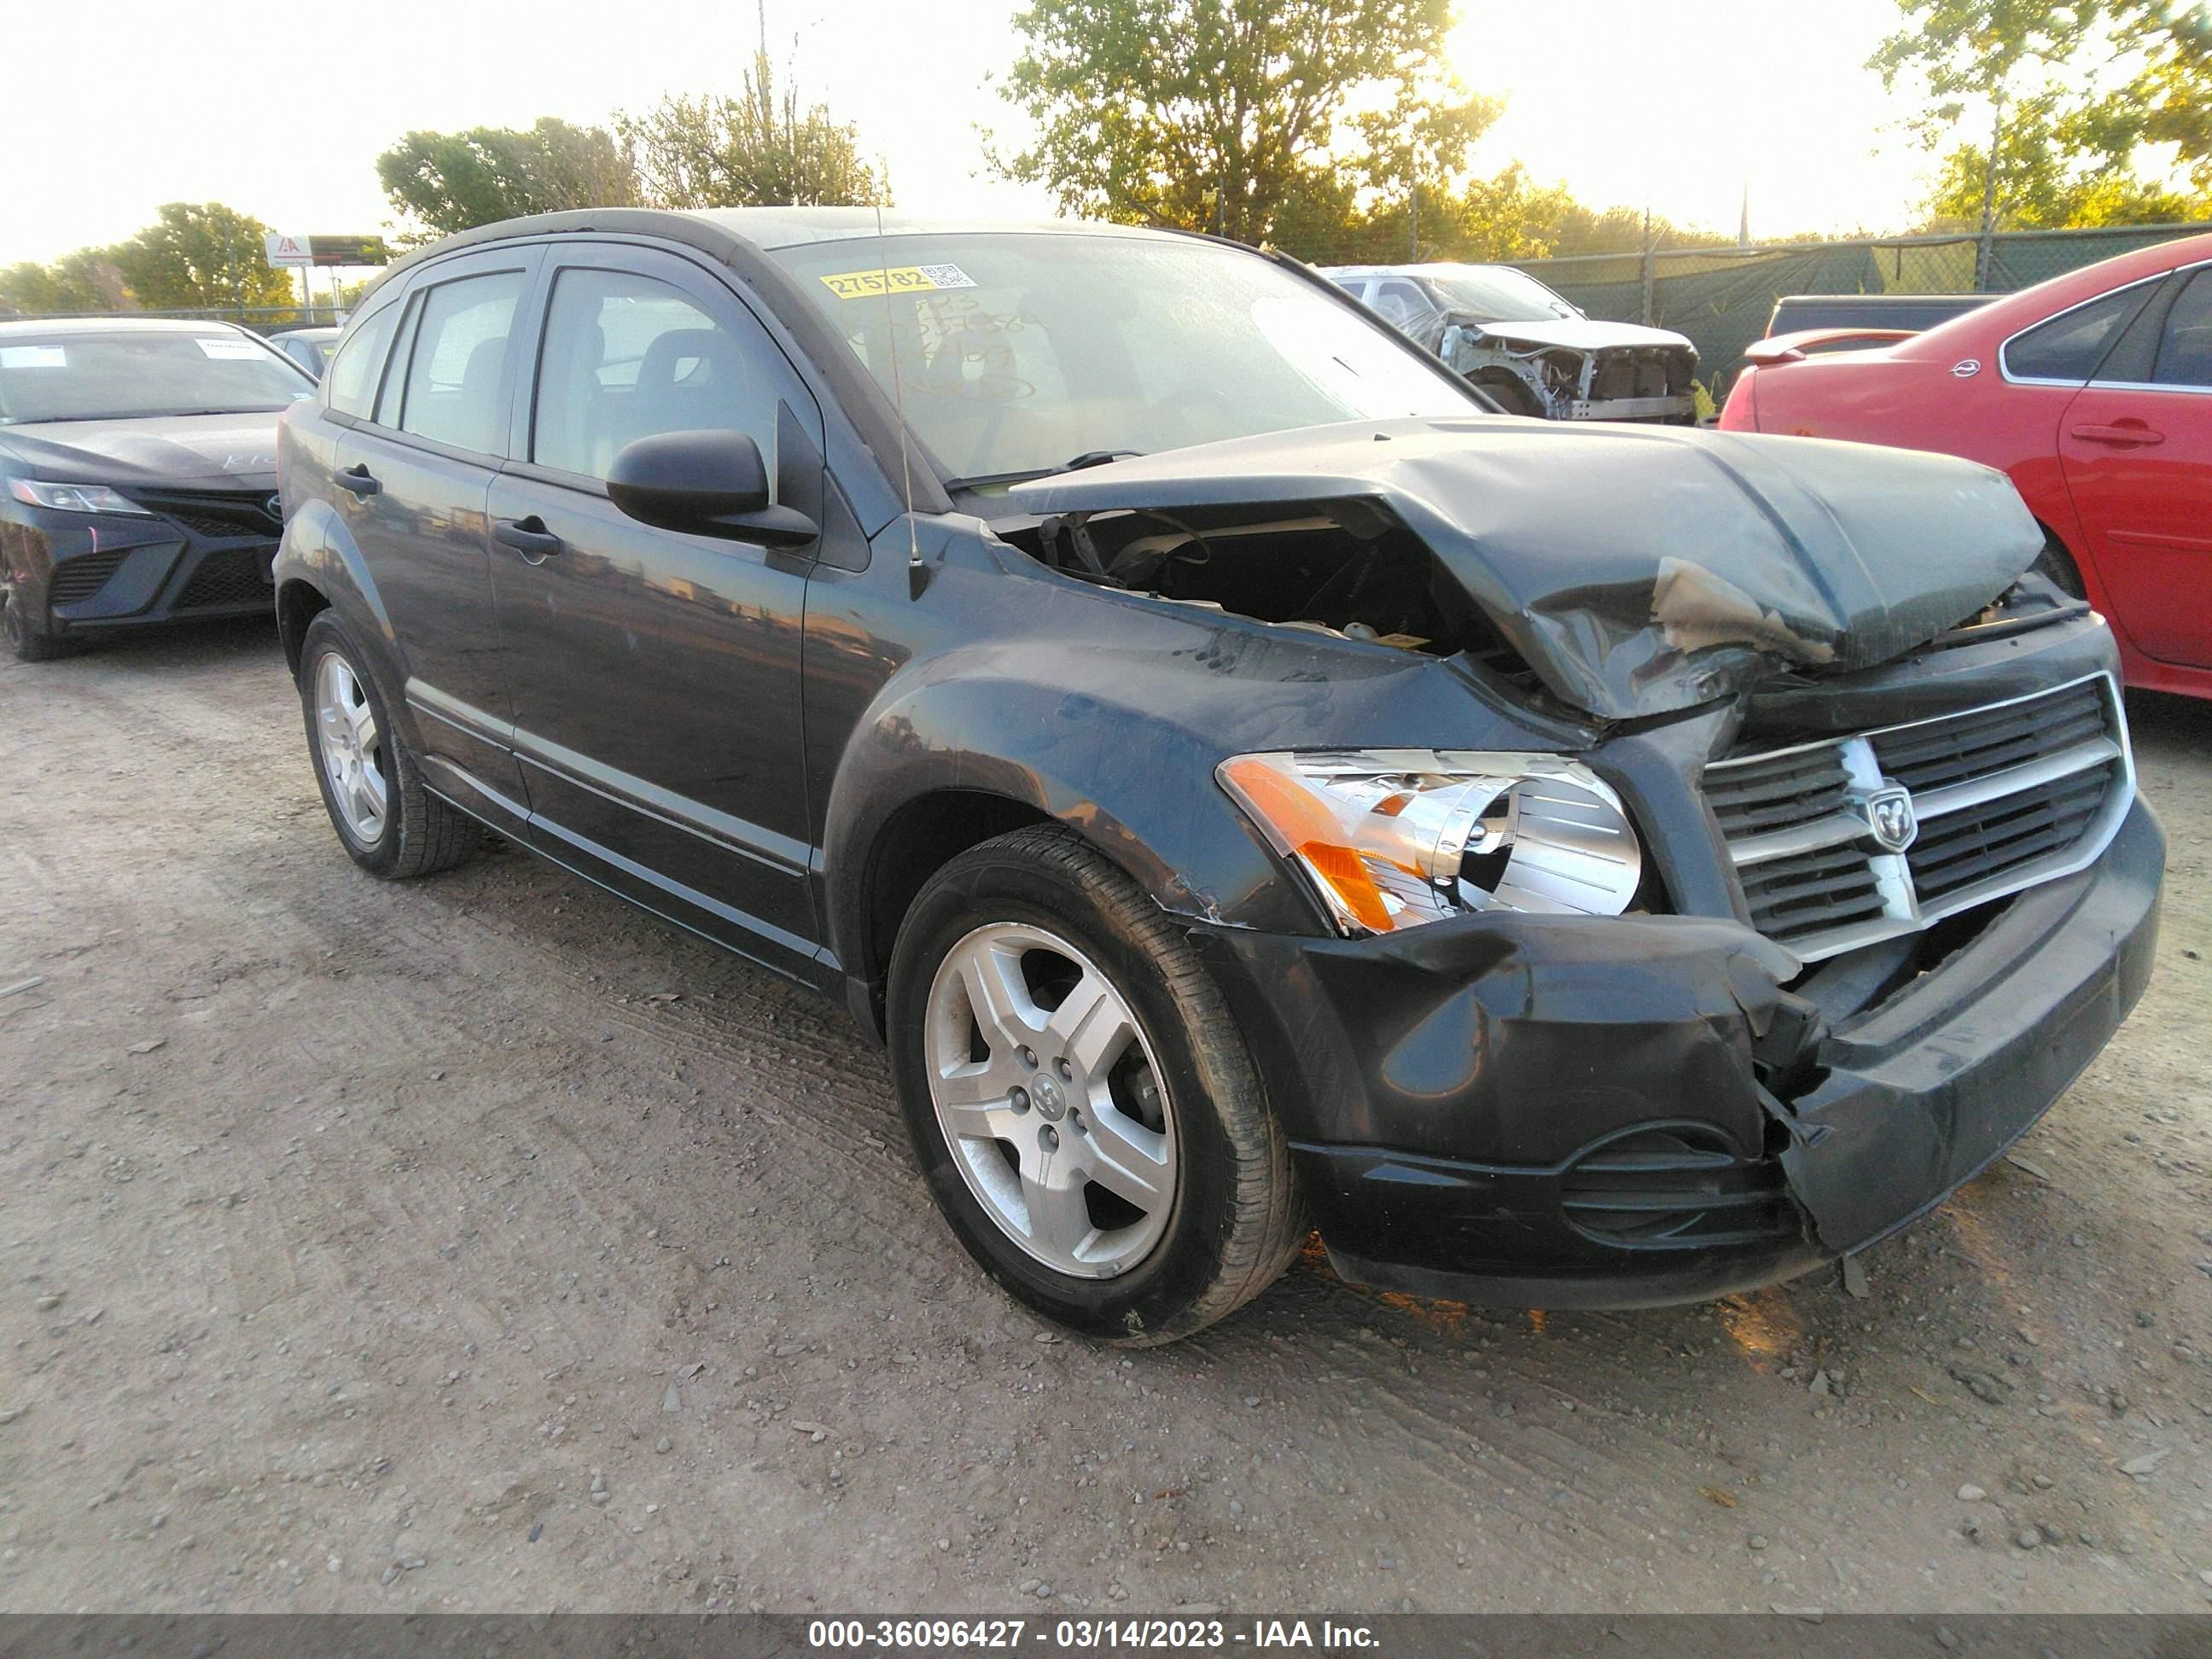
655 674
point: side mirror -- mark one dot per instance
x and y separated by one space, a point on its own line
703 483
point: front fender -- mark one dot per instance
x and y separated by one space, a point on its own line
1004 721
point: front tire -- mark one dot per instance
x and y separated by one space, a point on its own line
1083 1108
29 642
388 822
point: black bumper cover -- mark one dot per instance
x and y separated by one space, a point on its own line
1449 1090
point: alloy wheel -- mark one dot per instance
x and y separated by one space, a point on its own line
350 748
1048 1095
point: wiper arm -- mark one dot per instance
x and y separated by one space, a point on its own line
1089 457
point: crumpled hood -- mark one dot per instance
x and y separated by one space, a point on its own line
212 450
1637 569
1578 334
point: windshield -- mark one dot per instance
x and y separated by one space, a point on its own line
1499 294
1017 352
95 377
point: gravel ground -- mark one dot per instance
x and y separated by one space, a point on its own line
481 1243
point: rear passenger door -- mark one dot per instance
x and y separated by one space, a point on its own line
655 674
412 478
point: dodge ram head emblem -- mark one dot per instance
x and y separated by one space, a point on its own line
1889 815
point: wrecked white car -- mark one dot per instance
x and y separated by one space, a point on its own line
1533 351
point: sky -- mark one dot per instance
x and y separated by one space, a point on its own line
1678 104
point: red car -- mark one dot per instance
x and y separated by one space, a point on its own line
2092 390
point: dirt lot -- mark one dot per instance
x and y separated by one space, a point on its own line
483 1244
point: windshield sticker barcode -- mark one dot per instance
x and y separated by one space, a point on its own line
899 279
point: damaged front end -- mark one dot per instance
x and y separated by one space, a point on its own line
1557 1110
1894 888
1567 378
1624 571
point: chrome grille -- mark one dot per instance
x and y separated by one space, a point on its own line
1999 798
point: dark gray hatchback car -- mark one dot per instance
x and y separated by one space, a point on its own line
1249 785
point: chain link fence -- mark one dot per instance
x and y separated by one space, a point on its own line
1722 297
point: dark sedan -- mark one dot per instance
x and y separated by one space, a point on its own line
138 475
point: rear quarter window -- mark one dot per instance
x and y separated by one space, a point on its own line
355 372
2069 347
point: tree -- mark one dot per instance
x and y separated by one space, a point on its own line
2084 103
2038 183
761 147
200 254
87 280
450 181
1240 116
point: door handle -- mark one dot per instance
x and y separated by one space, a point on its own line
528 537
2118 434
356 479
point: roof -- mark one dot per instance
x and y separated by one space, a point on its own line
725 231
793 226
122 322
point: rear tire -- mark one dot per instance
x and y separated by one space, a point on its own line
388 822
29 642
1166 1226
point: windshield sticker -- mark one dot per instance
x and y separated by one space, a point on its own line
32 357
899 279
230 351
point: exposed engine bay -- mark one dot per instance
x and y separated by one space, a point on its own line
1344 568
1650 571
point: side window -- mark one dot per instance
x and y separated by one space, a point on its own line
1403 304
460 353
2071 345
353 373
2184 350
625 357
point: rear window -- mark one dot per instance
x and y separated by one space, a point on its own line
134 373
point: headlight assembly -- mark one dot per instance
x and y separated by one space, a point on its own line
73 498
1394 837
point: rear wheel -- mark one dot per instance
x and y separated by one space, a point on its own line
390 825
1081 1105
27 639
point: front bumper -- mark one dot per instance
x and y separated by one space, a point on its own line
78 575
1575 1112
